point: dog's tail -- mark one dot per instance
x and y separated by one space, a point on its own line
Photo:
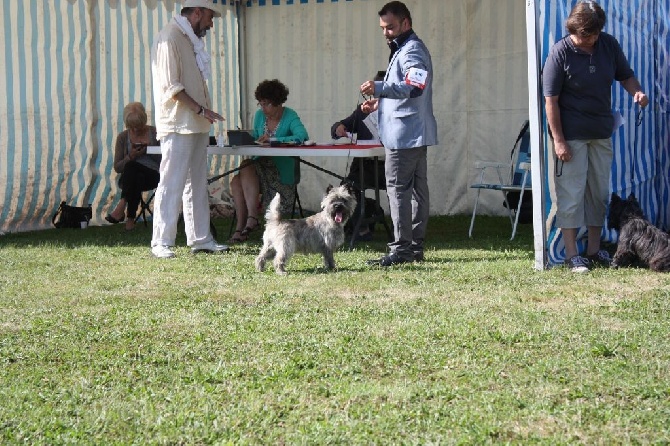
273 214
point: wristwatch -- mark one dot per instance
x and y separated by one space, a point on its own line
202 110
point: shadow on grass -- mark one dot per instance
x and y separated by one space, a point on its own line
444 233
104 236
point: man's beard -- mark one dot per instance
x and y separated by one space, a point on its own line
200 32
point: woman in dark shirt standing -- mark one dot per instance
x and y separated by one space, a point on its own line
577 81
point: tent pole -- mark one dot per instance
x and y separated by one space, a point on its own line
536 144
242 54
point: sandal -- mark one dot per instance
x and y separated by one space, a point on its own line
237 238
110 218
249 229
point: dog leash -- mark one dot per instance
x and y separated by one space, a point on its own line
354 129
638 122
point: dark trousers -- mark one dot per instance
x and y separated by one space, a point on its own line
135 179
407 189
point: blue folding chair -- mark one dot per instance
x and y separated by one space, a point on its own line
511 179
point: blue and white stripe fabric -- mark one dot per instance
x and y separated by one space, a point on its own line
662 109
70 68
250 3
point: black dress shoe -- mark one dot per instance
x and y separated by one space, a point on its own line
388 260
418 256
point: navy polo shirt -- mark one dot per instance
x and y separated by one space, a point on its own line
583 83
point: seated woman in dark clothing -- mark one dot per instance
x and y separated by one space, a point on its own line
139 171
356 123
267 175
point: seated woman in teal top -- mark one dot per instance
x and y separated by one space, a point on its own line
267 175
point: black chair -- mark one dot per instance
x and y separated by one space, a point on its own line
145 207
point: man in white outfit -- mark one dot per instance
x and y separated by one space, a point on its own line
180 66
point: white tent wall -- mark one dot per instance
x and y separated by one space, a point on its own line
323 51
70 68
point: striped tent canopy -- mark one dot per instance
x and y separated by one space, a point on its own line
287 2
71 67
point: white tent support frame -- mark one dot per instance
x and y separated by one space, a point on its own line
536 144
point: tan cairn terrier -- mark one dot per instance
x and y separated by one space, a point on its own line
320 233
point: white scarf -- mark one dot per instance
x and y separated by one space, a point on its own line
201 56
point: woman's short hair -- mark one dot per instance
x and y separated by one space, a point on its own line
134 115
586 19
271 90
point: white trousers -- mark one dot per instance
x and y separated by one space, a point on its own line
183 184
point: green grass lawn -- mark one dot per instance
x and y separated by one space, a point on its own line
102 344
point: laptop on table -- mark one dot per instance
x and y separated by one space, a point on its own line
241 138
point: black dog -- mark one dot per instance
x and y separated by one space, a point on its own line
638 239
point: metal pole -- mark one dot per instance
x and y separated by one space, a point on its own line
536 142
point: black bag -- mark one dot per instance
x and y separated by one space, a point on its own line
72 216
526 211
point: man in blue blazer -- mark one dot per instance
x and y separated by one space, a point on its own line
404 100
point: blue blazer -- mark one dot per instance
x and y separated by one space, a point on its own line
405 116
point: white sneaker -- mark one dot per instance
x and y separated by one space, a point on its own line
577 264
209 247
162 252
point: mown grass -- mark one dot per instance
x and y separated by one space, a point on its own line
102 344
